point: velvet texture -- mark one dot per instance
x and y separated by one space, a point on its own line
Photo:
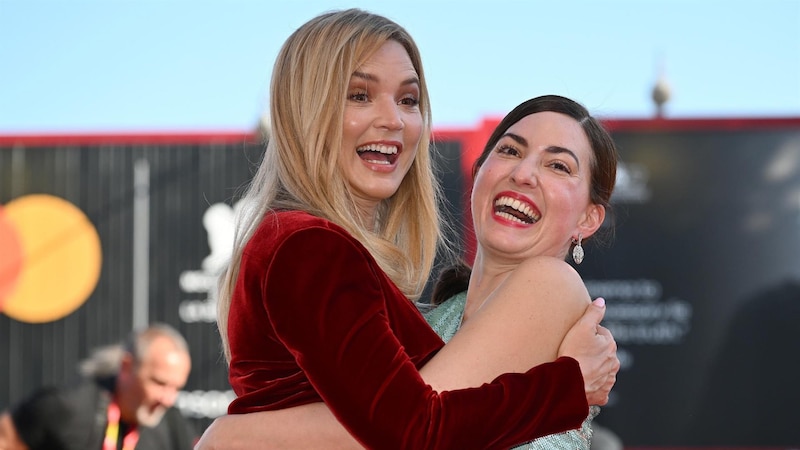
314 318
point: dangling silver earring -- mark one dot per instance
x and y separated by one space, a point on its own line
577 250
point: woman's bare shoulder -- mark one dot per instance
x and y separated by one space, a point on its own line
549 266
551 277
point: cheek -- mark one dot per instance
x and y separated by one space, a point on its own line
348 137
352 127
488 175
570 200
480 191
413 128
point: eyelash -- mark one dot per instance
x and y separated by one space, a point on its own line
412 101
558 165
507 149
408 100
354 96
561 166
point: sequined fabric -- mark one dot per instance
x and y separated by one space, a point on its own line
446 318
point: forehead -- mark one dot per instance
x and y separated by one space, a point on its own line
548 128
391 56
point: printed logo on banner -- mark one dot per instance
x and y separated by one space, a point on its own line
218 221
631 185
50 260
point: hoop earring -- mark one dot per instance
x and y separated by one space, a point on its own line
577 250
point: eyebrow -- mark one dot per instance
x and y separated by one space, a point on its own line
553 149
371 77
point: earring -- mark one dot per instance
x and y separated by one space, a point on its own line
577 250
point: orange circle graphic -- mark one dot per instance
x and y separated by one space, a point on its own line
59 263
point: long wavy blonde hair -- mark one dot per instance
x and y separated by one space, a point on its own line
300 168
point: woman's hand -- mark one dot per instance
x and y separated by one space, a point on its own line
595 349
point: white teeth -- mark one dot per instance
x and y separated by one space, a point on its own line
385 149
517 205
375 161
508 216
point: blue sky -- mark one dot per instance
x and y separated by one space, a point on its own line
86 66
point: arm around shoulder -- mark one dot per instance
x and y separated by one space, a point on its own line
359 365
307 426
532 310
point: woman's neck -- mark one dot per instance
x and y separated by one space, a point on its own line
485 278
368 216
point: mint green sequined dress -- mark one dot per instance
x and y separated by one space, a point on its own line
445 319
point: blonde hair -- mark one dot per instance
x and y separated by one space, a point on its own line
300 168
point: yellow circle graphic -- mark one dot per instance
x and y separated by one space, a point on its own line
61 259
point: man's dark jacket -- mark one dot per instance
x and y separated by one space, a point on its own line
75 418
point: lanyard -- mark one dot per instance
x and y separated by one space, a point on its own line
112 431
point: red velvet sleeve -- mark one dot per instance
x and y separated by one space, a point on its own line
328 305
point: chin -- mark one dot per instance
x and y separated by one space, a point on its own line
150 417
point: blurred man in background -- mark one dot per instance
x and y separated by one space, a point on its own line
125 401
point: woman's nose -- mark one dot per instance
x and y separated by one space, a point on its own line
389 115
525 174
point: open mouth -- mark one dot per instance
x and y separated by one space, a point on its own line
378 154
515 210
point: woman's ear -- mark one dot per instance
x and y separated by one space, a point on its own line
592 220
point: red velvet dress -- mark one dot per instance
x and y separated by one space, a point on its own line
314 318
